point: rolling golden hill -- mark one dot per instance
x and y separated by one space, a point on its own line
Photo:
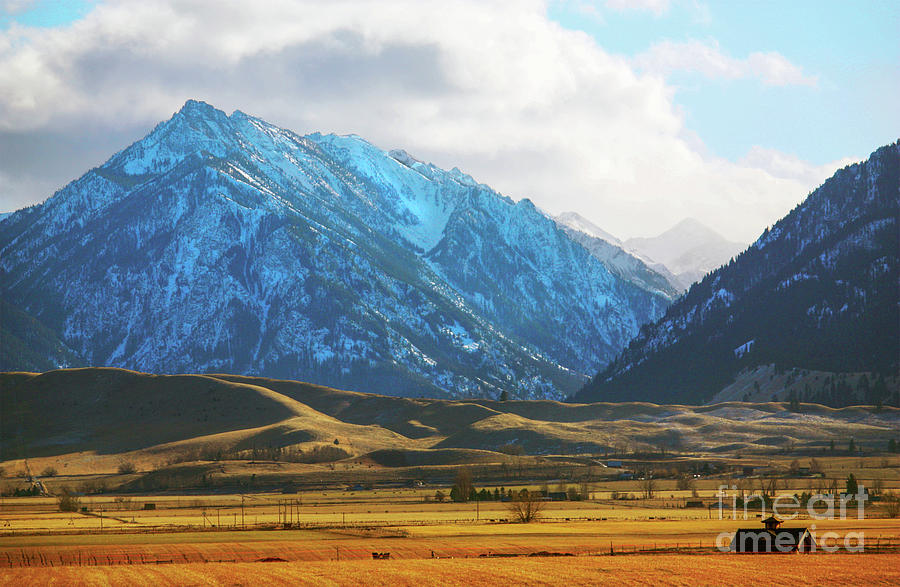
102 416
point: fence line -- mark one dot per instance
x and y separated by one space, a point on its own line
235 552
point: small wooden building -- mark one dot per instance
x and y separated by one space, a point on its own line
772 539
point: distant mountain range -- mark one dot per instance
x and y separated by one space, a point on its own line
689 250
625 264
816 297
226 244
681 255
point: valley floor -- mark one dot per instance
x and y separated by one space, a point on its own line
686 570
332 535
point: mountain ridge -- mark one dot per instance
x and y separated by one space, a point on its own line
224 243
621 262
817 291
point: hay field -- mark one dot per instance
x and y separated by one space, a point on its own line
676 570
386 506
176 543
381 520
211 455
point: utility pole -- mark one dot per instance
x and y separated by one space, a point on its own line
242 511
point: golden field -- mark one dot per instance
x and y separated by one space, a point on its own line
220 478
683 570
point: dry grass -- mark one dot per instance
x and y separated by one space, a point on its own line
683 570
88 420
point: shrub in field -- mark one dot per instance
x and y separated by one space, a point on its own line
512 449
123 503
93 486
68 503
815 466
126 468
685 482
892 506
320 454
48 472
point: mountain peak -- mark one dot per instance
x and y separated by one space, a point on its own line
690 249
228 244
403 157
696 228
198 107
196 128
576 221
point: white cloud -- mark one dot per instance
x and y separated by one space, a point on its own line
786 166
522 104
657 7
707 59
594 9
15 6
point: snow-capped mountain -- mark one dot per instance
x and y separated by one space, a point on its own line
609 250
576 221
689 250
225 244
820 291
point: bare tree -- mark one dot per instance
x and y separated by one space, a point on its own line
892 506
685 482
462 486
526 506
815 466
648 486
768 487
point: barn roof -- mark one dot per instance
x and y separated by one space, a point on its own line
765 540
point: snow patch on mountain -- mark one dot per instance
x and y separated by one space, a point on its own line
224 243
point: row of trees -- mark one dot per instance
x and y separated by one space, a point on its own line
524 506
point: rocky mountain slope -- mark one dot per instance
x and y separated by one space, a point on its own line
818 291
226 244
609 250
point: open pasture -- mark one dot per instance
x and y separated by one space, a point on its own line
345 525
676 570
383 507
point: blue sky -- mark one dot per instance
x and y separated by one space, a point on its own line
852 48
634 113
43 13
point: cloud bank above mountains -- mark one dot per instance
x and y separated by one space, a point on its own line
495 88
